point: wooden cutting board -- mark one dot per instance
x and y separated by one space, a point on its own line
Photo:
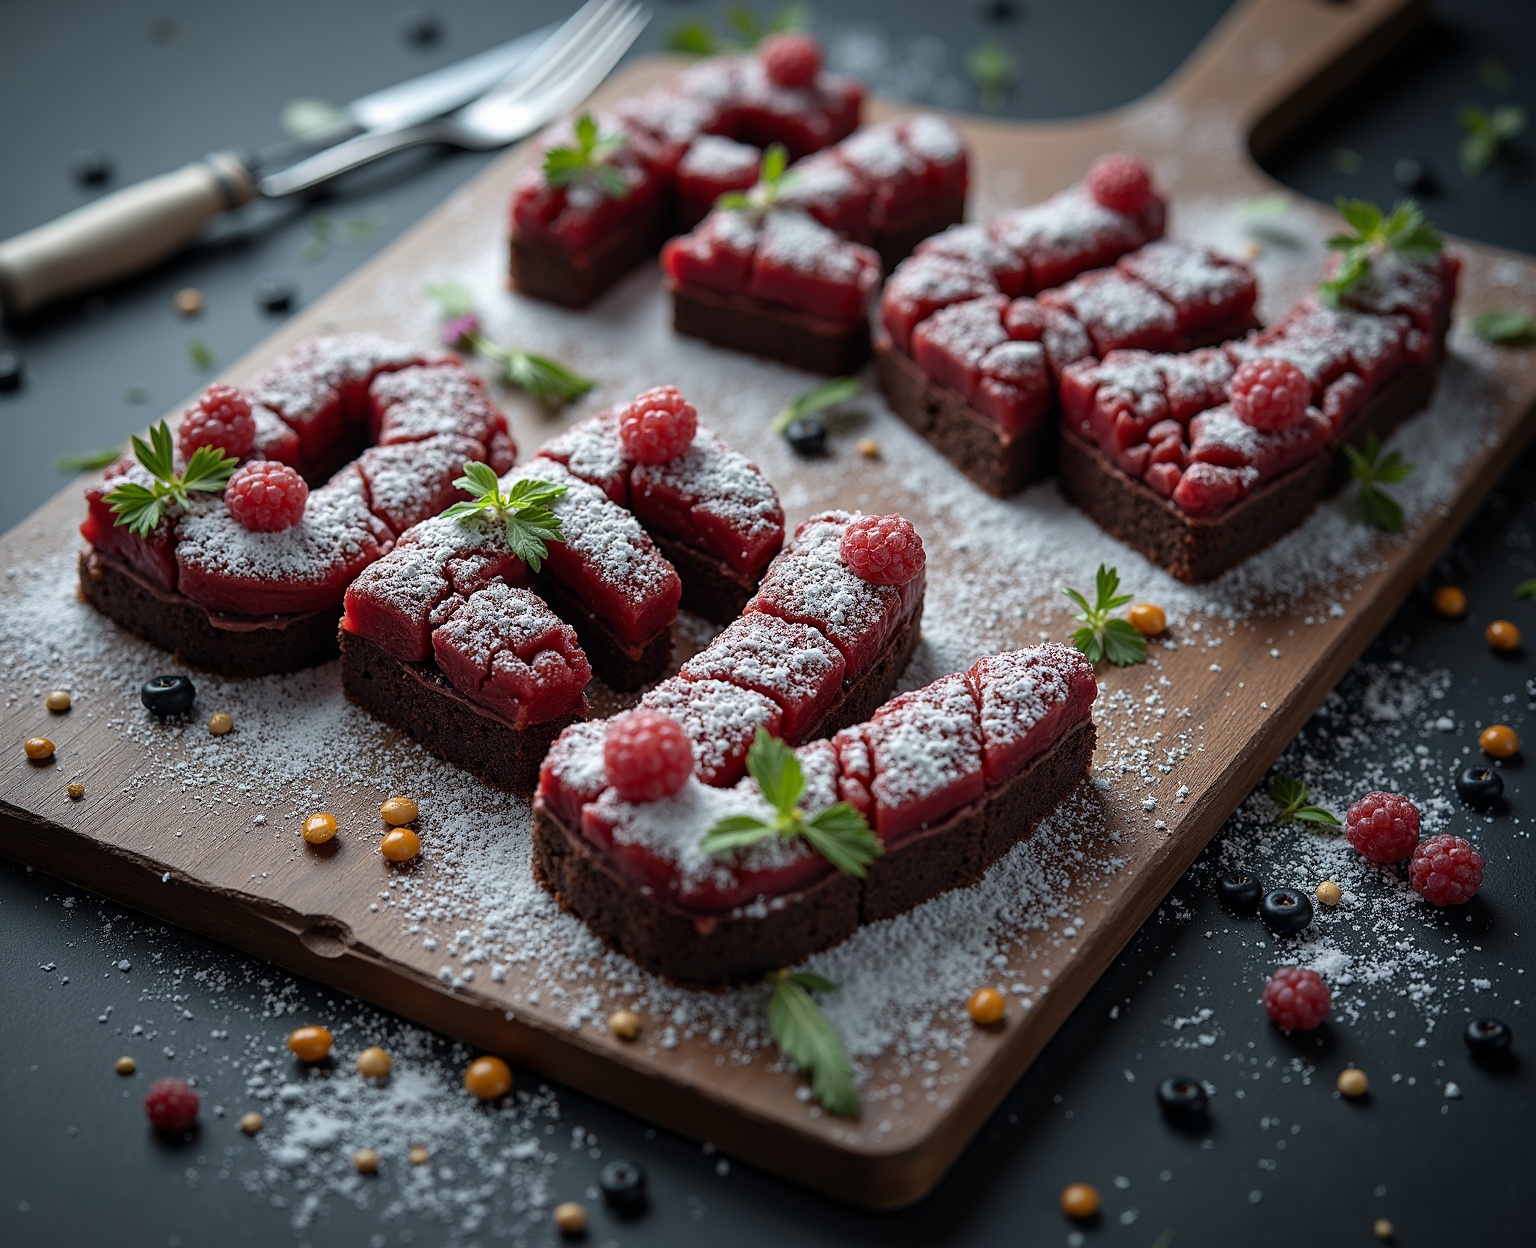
1267 67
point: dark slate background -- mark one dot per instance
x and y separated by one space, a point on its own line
153 84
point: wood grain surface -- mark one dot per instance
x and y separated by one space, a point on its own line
1269 65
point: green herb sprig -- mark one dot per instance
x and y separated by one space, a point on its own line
1103 637
772 183
697 37
829 394
1486 133
1292 801
1372 471
994 71
840 834
589 162
1526 589
524 510
545 380
89 461
1403 231
804 1035
141 506
1505 327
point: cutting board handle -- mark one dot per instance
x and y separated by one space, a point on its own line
1270 66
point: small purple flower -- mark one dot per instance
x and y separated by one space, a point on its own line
460 332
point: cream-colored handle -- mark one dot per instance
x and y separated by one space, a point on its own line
120 233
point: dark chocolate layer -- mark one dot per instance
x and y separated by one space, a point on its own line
773 332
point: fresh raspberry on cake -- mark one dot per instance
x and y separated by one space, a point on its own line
887 550
220 418
791 60
266 496
657 426
647 756
1120 182
1296 998
1446 870
1383 827
1270 394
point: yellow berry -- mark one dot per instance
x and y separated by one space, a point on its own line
1383 1228
1079 1200
310 1044
400 845
125 1065
76 790
869 448
399 811
1502 635
220 722
319 828
985 1006
624 1024
251 1123
488 1077
1499 740
38 748
1329 893
373 1063
58 700
570 1218
189 301
366 1161
1352 1083
1147 618
419 1155
1449 602
1252 250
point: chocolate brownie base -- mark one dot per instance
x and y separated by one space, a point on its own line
896 240
418 699
618 664
711 588
1192 548
232 645
773 332
717 950
559 276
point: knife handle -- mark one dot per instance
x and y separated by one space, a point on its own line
120 233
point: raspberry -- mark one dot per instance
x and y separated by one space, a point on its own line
1120 182
791 60
1296 998
884 549
266 496
657 426
221 418
647 756
1383 827
171 1104
1446 870
1271 395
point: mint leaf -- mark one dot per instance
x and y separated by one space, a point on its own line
804 1035
1101 637
524 509
994 71
1504 327
829 394
589 162
1486 132
543 379
1404 231
773 181
1372 470
140 507
1291 798
89 461
774 766
694 38
1526 589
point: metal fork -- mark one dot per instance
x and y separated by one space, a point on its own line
563 72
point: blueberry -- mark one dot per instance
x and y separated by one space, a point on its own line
10 371
999 11
1487 1037
273 294
421 30
1413 175
1480 786
168 695
1239 891
90 168
1285 911
623 1185
1182 1097
808 436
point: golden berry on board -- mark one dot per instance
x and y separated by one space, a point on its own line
1383 1228
399 811
309 1044
419 1155
1449 601
869 448
58 700
624 1024
1499 740
985 1006
1502 635
1352 1083
400 845
125 1065
76 791
1079 1200
488 1077
319 828
570 1218
373 1063
1329 893
1147 618
1252 250
189 301
366 1161
220 722
38 748
252 1122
